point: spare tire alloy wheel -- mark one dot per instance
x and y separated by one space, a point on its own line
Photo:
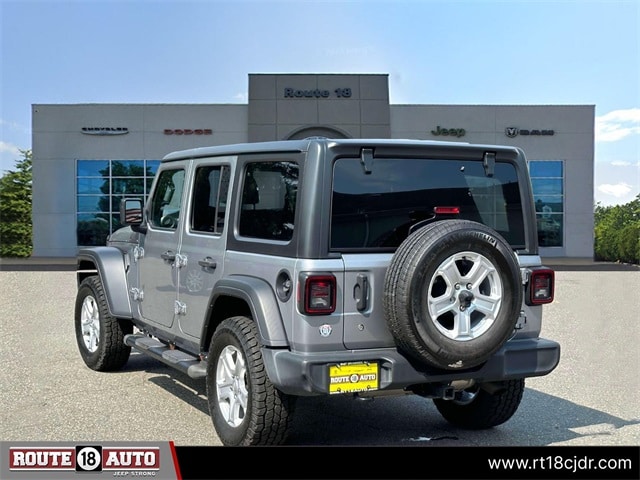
453 294
464 296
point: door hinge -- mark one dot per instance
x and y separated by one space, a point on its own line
136 294
138 253
180 308
180 261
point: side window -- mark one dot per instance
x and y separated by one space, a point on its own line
269 200
210 199
167 200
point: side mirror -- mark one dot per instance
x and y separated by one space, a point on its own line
131 212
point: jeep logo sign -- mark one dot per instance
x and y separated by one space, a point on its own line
452 132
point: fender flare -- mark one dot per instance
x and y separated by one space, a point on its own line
262 302
109 263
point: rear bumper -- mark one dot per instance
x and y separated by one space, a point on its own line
308 373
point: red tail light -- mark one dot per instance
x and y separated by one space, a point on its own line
319 294
541 286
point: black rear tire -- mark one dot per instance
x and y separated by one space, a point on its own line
245 406
477 409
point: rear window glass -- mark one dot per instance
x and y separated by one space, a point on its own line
377 210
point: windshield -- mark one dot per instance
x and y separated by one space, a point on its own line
377 210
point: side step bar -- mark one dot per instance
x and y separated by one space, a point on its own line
192 366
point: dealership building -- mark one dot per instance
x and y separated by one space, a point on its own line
87 157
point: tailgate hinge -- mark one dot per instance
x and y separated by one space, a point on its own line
366 159
489 162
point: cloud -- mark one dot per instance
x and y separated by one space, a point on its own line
242 97
618 124
14 127
8 148
621 163
617 190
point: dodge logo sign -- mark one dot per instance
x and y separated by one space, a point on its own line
188 131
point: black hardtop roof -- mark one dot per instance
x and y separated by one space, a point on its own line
291 146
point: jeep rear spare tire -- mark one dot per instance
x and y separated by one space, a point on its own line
452 294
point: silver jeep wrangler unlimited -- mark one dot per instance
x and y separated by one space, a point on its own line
327 267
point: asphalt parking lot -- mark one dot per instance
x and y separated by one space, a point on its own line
48 394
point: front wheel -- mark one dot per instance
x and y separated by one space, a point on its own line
480 407
100 336
245 406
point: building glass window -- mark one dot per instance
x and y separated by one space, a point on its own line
547 181
100 185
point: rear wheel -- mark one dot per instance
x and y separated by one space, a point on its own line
482 407
100 336
245 407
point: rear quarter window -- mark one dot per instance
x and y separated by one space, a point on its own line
269 193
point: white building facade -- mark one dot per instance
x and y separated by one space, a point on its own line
86 157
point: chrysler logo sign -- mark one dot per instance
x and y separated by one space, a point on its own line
512 132
105 130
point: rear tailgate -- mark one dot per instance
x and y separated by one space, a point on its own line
364 322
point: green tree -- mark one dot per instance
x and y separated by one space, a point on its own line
617 232
15 209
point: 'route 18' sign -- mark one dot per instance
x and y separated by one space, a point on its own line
316 93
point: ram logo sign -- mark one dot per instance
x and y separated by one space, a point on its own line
512 132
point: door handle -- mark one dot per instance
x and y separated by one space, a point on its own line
207 262
168 256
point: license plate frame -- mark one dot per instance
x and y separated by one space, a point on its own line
353 377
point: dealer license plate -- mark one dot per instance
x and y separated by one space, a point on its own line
353 377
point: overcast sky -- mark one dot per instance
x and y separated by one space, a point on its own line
435 52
